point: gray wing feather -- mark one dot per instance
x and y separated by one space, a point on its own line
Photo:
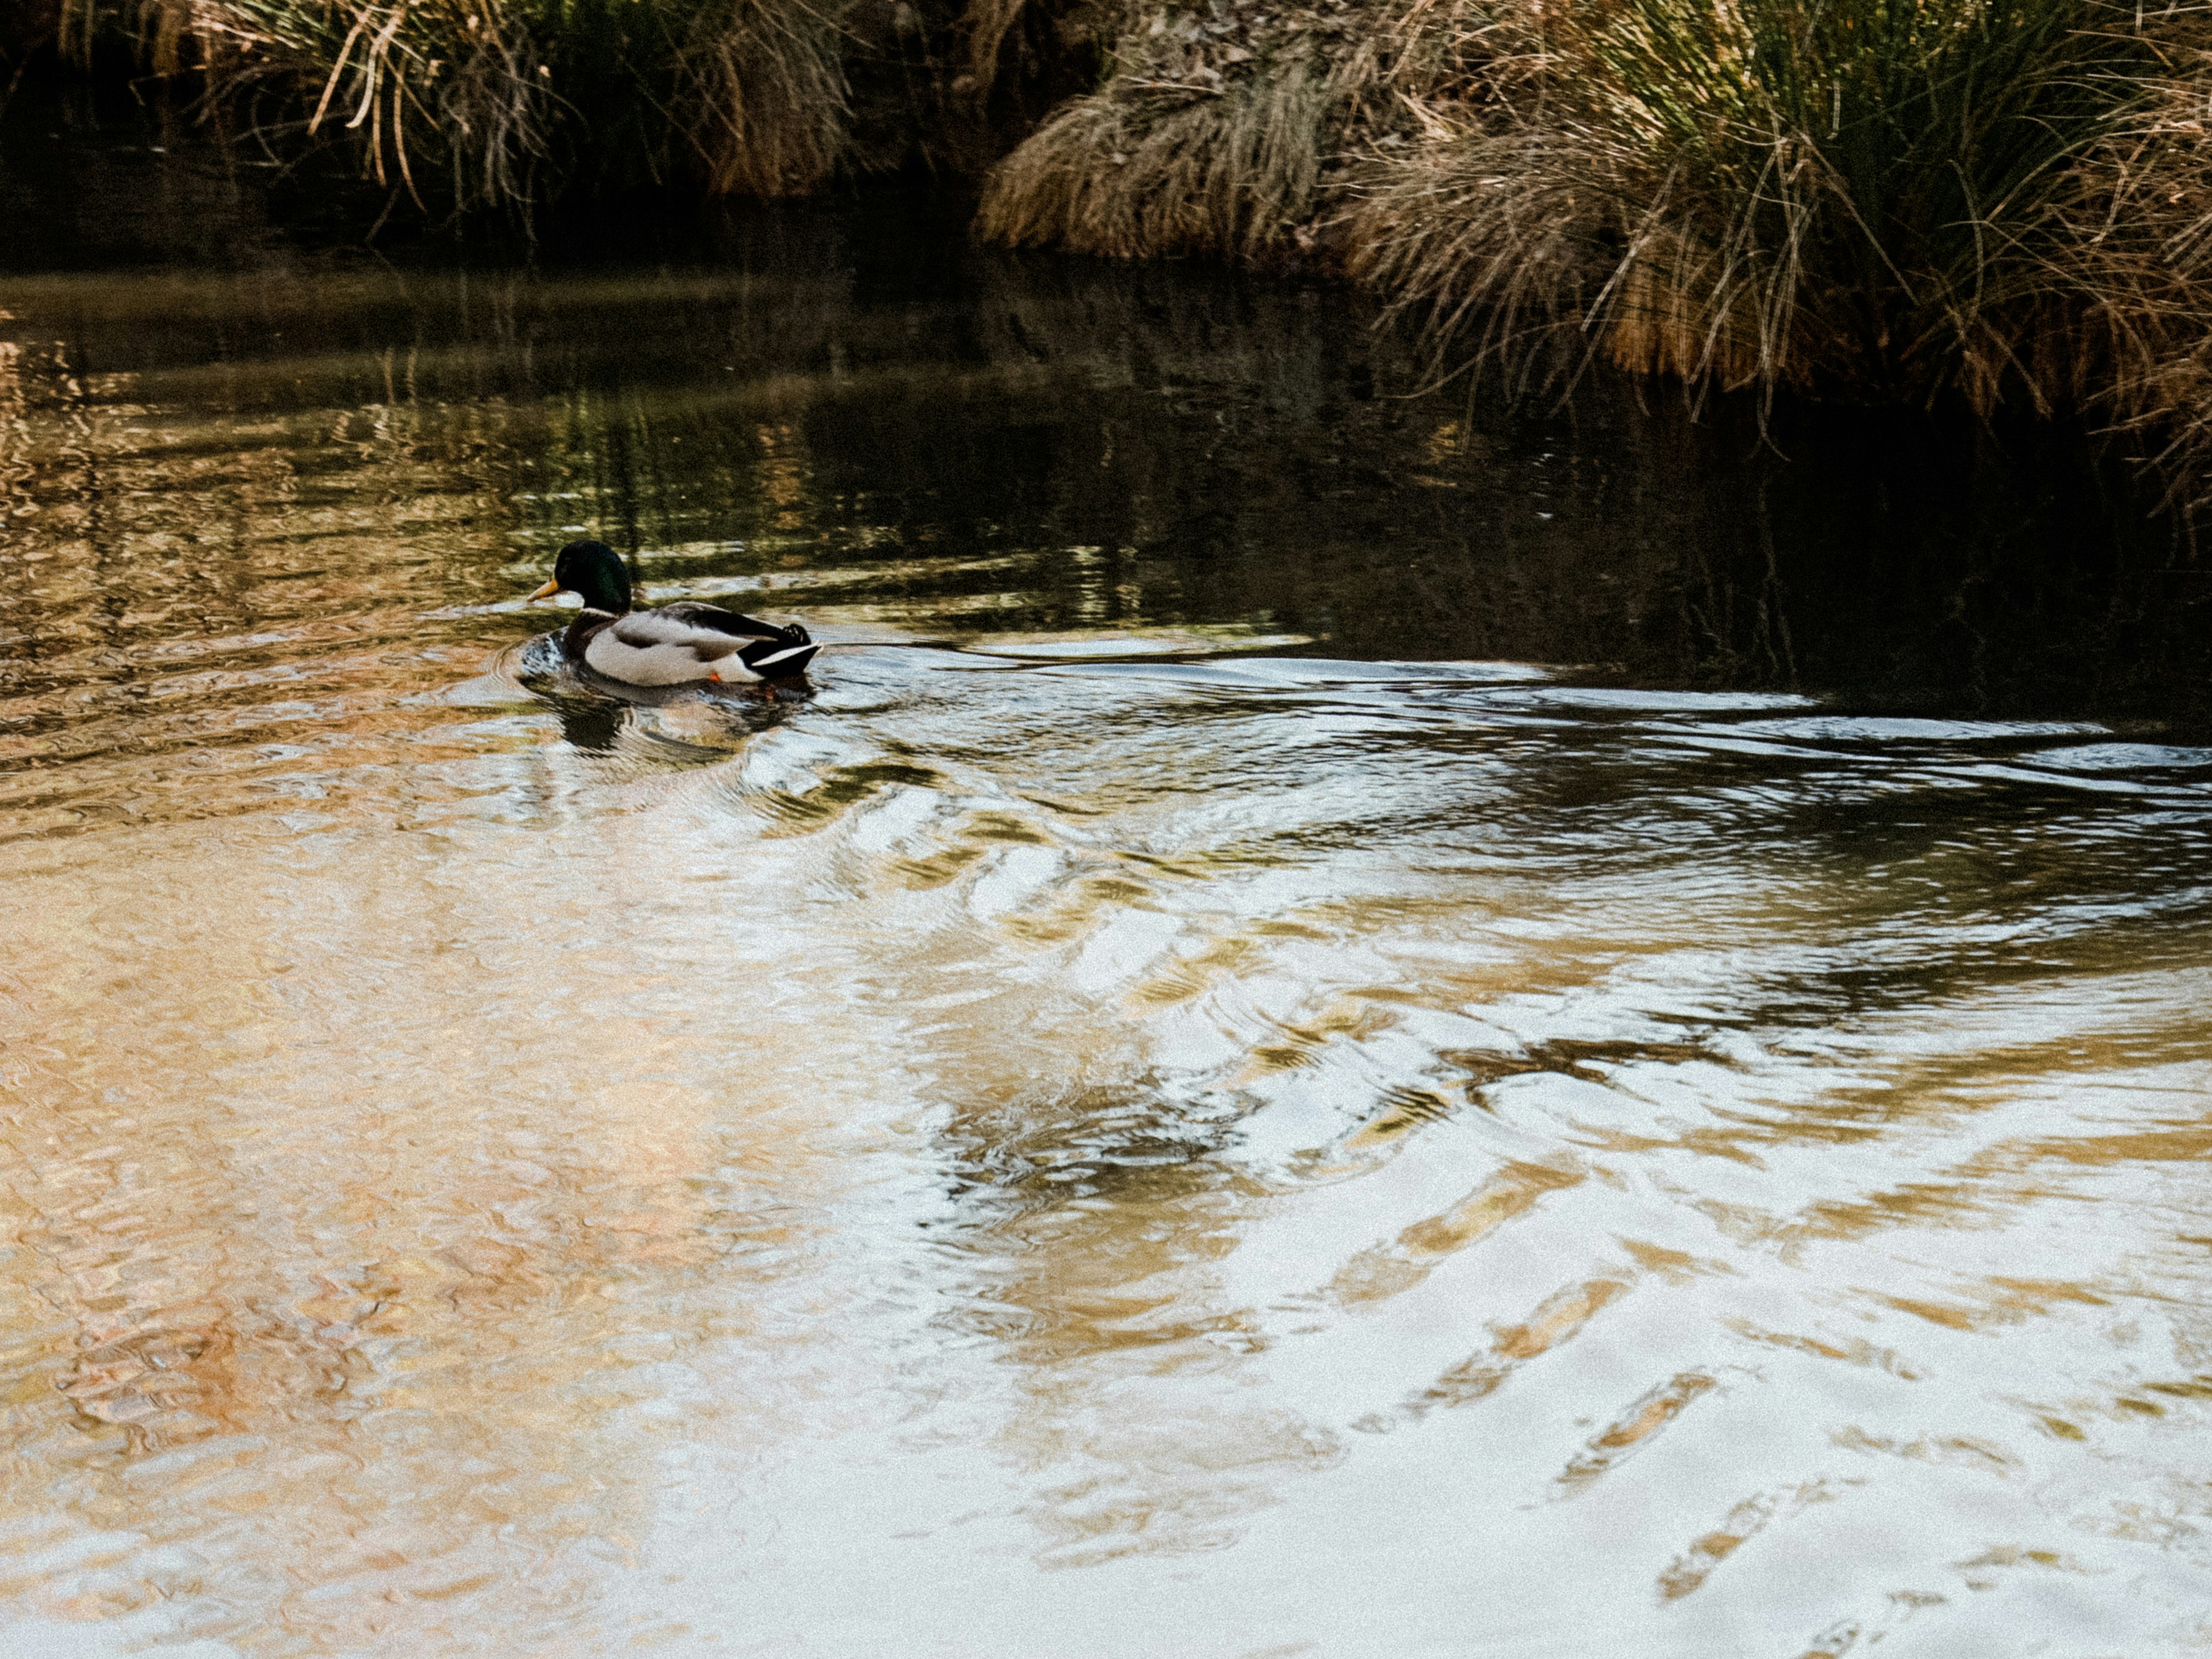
641 631
714 619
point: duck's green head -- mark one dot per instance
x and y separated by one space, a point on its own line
594 570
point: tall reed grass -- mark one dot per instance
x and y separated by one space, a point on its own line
494 102
1215 131
1994 199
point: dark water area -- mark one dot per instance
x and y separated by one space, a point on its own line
1349 1023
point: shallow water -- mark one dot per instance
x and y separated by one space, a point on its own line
1348 1025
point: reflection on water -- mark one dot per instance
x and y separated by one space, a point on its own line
1349 1026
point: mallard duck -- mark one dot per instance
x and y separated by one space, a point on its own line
674 645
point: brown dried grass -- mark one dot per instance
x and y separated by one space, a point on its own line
762 96
1213 134
498 102
1996 200
1226 173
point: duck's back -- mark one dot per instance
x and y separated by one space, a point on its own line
682 643
652 648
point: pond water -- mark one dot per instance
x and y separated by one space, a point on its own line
1349 1025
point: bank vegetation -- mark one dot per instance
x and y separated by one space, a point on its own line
1987 204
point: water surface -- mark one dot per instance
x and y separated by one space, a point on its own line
1350 1024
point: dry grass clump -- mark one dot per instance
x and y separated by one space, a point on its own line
492 102
1994 199
1993 202
760 93
1213 133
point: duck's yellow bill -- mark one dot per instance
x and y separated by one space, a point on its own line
545 593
